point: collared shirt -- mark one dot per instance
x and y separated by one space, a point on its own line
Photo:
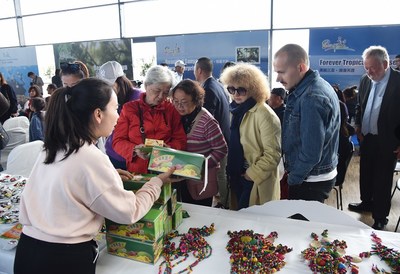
373 107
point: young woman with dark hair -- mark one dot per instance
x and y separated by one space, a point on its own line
74 186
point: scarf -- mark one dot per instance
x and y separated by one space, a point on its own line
236 161
188 120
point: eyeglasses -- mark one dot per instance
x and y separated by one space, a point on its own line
180 104
240 91
71 68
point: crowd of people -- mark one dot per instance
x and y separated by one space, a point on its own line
94 130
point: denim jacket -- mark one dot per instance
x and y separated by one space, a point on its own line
311 124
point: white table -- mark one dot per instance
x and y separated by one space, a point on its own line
6 256
293 233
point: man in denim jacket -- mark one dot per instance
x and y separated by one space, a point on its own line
310 136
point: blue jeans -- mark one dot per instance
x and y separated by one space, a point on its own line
242 189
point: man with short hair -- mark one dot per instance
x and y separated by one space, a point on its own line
277 102
36 80
310 136
396 62
377 116
216 101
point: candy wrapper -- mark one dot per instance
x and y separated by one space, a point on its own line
9 239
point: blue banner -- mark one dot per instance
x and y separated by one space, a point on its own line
246 46
336 53
15 63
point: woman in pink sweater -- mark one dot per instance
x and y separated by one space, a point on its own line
73 185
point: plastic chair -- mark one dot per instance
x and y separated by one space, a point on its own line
18 130
344 161
22 158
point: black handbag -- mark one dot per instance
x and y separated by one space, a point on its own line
4 138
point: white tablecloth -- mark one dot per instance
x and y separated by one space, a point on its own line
293 233
6 256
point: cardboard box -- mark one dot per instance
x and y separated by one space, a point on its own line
167 225
171 204
147 252
188 165
140 180
177 217
153 142
149 228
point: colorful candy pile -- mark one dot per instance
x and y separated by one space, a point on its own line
253 253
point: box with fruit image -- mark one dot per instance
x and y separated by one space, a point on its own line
187 164
147 252
149 228
139 180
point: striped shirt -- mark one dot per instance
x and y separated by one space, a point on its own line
206 138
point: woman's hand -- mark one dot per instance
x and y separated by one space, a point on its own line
140 153
165 177
125 175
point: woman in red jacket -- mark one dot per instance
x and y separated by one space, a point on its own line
152 116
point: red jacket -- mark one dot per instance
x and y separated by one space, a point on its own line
161 122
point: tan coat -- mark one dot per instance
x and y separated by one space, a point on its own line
260 136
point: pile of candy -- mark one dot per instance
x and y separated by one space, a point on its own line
192 242
325 256
253 253
11 187
388 255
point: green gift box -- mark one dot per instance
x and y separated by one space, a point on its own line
139 180
188 165
171 204
147 252
177 217
167 225
149 228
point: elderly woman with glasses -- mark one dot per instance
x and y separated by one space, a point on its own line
204 136
255 140
153 117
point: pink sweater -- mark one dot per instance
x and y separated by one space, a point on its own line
66 202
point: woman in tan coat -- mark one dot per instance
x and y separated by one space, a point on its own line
255 140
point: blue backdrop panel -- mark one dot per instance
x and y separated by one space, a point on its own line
15 63
251 46
336 53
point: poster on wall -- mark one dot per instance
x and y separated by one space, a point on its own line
15 63
94 54
337 53
242 46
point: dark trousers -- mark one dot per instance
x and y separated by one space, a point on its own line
185 197
311 191
35 256
376 175
242 189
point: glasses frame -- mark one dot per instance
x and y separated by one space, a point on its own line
240 90
181 104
